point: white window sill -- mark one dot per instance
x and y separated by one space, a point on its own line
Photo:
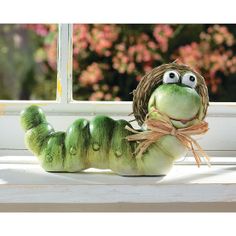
24 186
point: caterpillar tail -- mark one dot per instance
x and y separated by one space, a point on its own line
42 140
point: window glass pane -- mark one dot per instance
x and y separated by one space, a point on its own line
28 56
109 60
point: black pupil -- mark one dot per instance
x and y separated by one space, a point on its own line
172 75
192 78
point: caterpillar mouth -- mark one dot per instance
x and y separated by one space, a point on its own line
184 121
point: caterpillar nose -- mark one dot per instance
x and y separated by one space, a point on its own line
177 101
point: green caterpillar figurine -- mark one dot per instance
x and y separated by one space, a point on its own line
170 91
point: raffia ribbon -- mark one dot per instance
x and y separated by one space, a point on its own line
158 128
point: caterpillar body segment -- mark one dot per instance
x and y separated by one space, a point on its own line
77 141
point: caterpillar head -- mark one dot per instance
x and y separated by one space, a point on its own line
176 91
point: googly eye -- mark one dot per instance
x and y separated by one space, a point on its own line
170 77
189 79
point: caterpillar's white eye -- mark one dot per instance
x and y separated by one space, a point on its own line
189 79
170 77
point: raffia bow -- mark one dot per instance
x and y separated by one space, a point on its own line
158 128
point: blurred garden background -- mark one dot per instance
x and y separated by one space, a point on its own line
109 60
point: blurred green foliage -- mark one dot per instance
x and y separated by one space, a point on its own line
24 70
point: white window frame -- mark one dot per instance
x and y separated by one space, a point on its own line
64 108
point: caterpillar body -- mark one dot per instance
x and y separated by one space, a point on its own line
99 143
171 93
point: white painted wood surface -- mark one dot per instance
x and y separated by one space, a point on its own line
22 184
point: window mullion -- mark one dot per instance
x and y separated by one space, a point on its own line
64 60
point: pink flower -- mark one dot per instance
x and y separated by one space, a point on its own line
162 34
80 38
92 75
142 50
97 96
207 58
102 37
51 52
